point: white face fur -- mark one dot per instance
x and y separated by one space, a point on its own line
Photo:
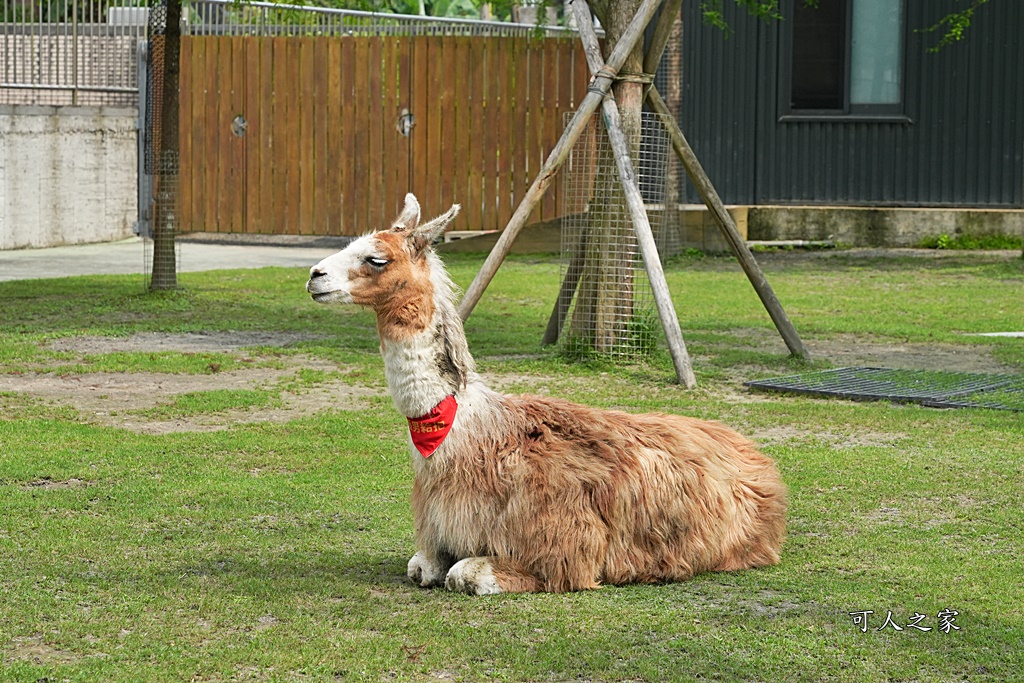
330 281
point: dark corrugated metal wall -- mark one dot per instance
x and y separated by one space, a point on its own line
963 145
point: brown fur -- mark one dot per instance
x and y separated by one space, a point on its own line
564 497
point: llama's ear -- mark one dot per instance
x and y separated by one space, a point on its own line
423 236
410 217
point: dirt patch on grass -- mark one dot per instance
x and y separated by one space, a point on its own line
35 651
924 512
47 484
114 398
785 434
845 350
185 342
848 350
117 399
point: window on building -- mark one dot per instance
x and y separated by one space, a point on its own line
845 57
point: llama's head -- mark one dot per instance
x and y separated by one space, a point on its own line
392 271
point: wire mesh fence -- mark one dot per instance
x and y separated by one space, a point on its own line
169 249
612 314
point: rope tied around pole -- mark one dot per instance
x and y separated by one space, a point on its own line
642 78
605 72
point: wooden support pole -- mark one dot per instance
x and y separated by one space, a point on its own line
637 212
727 226
599 87
662 32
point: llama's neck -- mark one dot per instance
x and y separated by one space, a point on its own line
425 367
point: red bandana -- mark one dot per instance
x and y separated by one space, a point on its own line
430 430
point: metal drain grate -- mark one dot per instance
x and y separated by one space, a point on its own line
928 388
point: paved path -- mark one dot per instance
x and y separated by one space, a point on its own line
129 256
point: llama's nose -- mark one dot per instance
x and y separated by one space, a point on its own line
315 272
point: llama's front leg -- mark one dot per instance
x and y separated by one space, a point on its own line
490 575
427 571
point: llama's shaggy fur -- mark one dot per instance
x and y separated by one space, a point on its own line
530 493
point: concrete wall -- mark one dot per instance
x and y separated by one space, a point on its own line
67 175
883 227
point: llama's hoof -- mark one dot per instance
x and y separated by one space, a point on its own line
472 575
423 572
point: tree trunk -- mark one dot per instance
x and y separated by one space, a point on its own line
165 274
604 301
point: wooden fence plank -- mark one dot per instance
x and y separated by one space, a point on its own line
251 141
463 121
449 133
277 159
421 112
581 75
506 96
319 105
185 166
197 131
489 166
432 201
333 131
235 185
305 141
212 151
374 106
221 114
290 143
260 146
402 146
389 114
359 157
471 96
520 116
347 215
404 159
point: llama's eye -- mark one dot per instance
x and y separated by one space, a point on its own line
376 261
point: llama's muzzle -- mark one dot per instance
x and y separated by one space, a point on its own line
318 287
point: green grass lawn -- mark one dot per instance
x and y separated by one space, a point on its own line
276 550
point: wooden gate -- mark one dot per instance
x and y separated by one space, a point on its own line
304 135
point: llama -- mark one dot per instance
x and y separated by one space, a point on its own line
531 493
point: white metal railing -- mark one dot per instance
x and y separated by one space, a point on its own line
228 17
83 52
